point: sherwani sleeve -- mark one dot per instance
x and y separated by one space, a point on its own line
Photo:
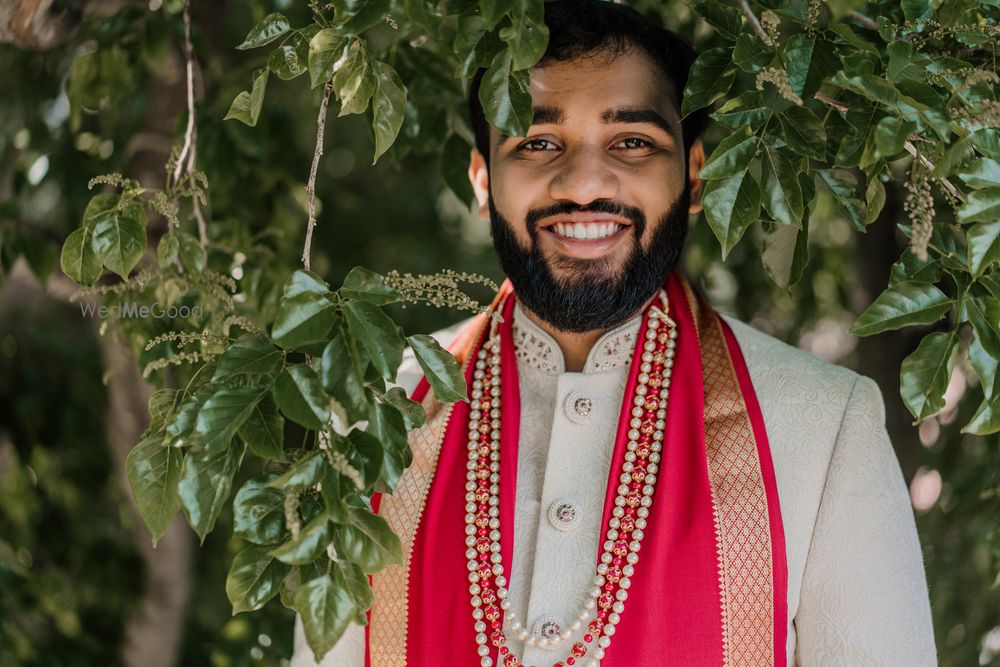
864 597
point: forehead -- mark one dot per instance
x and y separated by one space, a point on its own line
587 86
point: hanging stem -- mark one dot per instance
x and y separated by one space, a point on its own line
753 21
189 148
311 186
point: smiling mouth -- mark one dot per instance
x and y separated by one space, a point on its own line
585 231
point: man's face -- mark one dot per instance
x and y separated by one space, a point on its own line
589 210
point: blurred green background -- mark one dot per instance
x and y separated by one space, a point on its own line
79 583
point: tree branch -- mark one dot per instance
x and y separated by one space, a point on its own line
311 186
910 148
189 149
754 23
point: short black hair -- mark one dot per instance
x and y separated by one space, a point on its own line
581 27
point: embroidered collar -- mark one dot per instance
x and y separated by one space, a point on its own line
538 349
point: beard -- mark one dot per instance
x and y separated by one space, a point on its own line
593 295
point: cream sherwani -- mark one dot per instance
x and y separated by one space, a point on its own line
857 594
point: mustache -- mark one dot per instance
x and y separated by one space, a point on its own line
607 206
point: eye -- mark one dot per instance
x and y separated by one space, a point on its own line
634 143
536 145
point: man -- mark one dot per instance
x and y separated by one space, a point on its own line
635 481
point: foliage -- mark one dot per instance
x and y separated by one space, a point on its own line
827 111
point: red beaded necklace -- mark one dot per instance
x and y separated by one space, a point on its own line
605 602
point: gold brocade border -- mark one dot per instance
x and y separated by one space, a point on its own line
743 531
403 510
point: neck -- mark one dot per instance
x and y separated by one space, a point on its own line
574 346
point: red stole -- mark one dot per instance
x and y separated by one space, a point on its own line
710 586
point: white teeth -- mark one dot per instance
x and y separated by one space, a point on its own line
586 231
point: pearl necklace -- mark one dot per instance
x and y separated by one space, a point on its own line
491 608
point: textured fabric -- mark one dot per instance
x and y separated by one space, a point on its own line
857 593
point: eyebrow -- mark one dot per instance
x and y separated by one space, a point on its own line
643 115
636 115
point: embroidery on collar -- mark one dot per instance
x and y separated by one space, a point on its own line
536 348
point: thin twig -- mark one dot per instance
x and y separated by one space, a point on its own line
189 58
929 166
311 186
829 101
910 148
754 23
863 20
190 147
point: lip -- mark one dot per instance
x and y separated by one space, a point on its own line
585 248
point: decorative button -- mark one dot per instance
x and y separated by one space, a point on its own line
549 627
564 514
578 407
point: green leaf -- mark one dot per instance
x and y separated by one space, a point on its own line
955 157
726 20
271 28
251 356
891 134
388 107
782 194
925 374
350 577
981 206
528 36
240 109
986 421
874 199
326 611
291 59
808 61
902 305
161 407
379 334
120 239
731 156
326 49
183 420
987 142
981 173
183 250
257 91
984 246
300 396
206 480
259 512
364 452
342 376
917 9
858 149
307 471
78 259
412 412
904 64
253 579
983 313
710 78
751 54
99 207
369 286
844 186
224 413
505 97
909 267
440 367
153 470
356 16
386 424
354 81
310 543
368 542
455 167
747 110
303 319
803 132
785 254
731 205
264 430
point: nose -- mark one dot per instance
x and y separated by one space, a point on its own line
582 176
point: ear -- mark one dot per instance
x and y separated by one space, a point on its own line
479 176
696 160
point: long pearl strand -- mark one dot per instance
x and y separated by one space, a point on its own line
491 607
